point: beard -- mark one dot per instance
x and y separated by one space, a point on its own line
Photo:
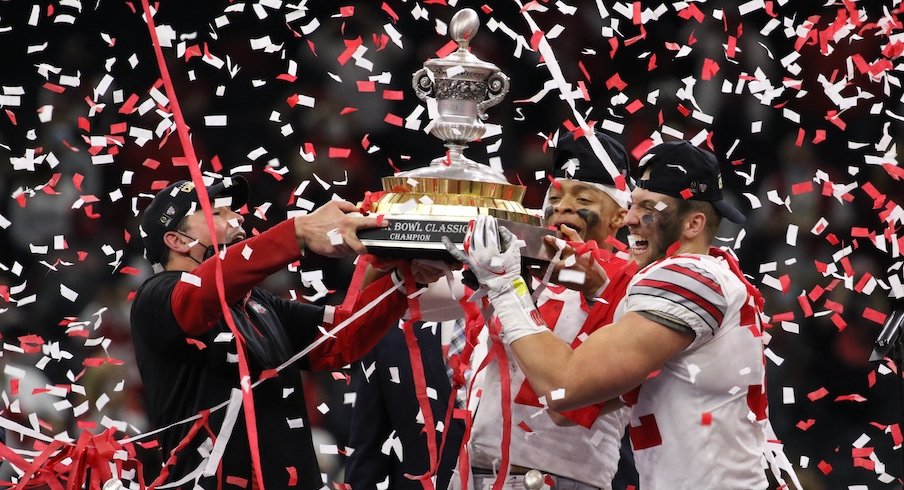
666 232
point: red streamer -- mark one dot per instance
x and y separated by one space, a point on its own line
195 170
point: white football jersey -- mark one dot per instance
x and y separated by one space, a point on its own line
586 455
699 422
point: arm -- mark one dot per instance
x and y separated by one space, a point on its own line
197 308
610 362
360 336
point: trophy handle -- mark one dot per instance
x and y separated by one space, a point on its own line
497 87
422 84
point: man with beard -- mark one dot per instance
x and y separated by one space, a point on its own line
585 204
190 359
687 334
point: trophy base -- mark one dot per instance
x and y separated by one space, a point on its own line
415 237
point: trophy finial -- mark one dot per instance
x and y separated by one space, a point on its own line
463 27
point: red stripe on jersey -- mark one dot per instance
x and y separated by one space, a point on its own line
757 401
687 294
645 435
686 271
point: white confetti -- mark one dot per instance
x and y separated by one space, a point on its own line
68 293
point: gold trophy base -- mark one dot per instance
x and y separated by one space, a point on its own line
421 210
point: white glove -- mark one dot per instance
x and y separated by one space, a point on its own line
494 256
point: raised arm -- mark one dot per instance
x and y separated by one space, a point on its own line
329 231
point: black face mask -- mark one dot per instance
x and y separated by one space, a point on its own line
209 251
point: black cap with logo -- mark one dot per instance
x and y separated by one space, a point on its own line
176 202
682 170
588 167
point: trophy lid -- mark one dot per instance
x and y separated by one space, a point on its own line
462 28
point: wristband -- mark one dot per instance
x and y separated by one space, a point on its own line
518 316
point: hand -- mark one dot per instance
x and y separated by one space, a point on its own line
331 230
428 271
493 254
425 271
579 272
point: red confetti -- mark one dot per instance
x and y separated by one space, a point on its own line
394 16
641 149
634 106
874 316
710 69
824 467
687 194
535 39
850 398
351 45
584 71
129 270
834 306
367 86
616 82
339 152
816 395
819 137
195 342
896 435
54 87
802 187
805 424
237 481
394 120
447 49
692 11
839 322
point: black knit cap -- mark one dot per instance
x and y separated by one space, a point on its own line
682 170
178 200
589 168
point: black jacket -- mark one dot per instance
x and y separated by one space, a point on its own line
383 406
181 378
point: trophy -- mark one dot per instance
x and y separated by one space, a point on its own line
427 203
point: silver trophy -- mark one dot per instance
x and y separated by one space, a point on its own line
464 86
424 204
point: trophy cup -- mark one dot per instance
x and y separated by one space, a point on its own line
427 203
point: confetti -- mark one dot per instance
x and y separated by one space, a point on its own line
810 73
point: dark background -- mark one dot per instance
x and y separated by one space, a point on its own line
101 259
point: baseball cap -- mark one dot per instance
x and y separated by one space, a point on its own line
179 200
574 158
680 169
